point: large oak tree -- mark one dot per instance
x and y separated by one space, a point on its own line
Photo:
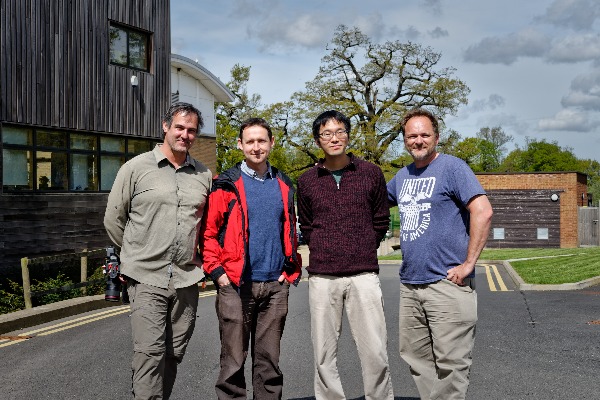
374 84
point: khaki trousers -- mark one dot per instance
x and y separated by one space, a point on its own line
361 296
437 334
162 323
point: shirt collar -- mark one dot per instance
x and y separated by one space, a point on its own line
253 174
160 156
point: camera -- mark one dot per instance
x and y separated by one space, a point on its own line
115 289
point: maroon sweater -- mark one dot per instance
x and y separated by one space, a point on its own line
343 226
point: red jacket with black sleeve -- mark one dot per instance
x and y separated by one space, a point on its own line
224 234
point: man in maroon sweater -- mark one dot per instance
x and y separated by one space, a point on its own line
343 214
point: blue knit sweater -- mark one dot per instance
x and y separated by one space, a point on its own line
265 216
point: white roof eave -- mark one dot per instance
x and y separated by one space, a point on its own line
212 83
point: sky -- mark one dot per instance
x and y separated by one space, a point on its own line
533 67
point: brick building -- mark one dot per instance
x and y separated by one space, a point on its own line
535 209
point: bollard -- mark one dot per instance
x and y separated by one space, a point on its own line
26 284
84 262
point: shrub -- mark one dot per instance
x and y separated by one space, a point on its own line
11 300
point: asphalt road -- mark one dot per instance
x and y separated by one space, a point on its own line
530 345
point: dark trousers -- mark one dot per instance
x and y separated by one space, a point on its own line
254 313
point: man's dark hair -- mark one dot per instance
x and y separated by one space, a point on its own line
420 112
182 108
255 122
327 116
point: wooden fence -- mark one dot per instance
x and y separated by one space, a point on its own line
28 262
589 227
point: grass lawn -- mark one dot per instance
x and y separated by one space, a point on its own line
546 266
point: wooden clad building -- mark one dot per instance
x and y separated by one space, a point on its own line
538 209
83 85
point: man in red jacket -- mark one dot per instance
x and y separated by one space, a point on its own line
343 214
250 251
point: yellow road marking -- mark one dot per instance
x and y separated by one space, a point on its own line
490 280
493 270
83 322
499 279
70 324
113 311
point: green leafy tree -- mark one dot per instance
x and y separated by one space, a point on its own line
542 156
468 150
592 169
448 142
493 147
374 84
230 116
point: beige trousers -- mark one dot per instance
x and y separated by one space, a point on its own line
361 296
437 334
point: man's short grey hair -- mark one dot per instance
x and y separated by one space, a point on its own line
182 108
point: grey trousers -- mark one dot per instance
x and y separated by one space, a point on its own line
361 296
162 323
437 334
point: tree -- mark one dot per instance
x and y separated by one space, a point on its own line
592 169
373 84
492 147
541 156
230 116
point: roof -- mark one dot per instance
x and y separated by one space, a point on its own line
211 82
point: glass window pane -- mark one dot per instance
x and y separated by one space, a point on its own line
137 50
498 233
51 139
139 146
109 169
11 135
116 145
17 173
118 45
83 142
51 170
83 172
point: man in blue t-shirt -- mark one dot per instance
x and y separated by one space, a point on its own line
445 221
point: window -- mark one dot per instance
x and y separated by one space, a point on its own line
17 169
542 234
129 47
498 233
52 160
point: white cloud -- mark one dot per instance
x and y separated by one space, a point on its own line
434 5
491 103
573 14
585 92
576 48
285 34
507 49
438 33
567 119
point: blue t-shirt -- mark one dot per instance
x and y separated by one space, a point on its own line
432 201
265 227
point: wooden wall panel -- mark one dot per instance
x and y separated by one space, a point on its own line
520 213
55 69
37 225
55 73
